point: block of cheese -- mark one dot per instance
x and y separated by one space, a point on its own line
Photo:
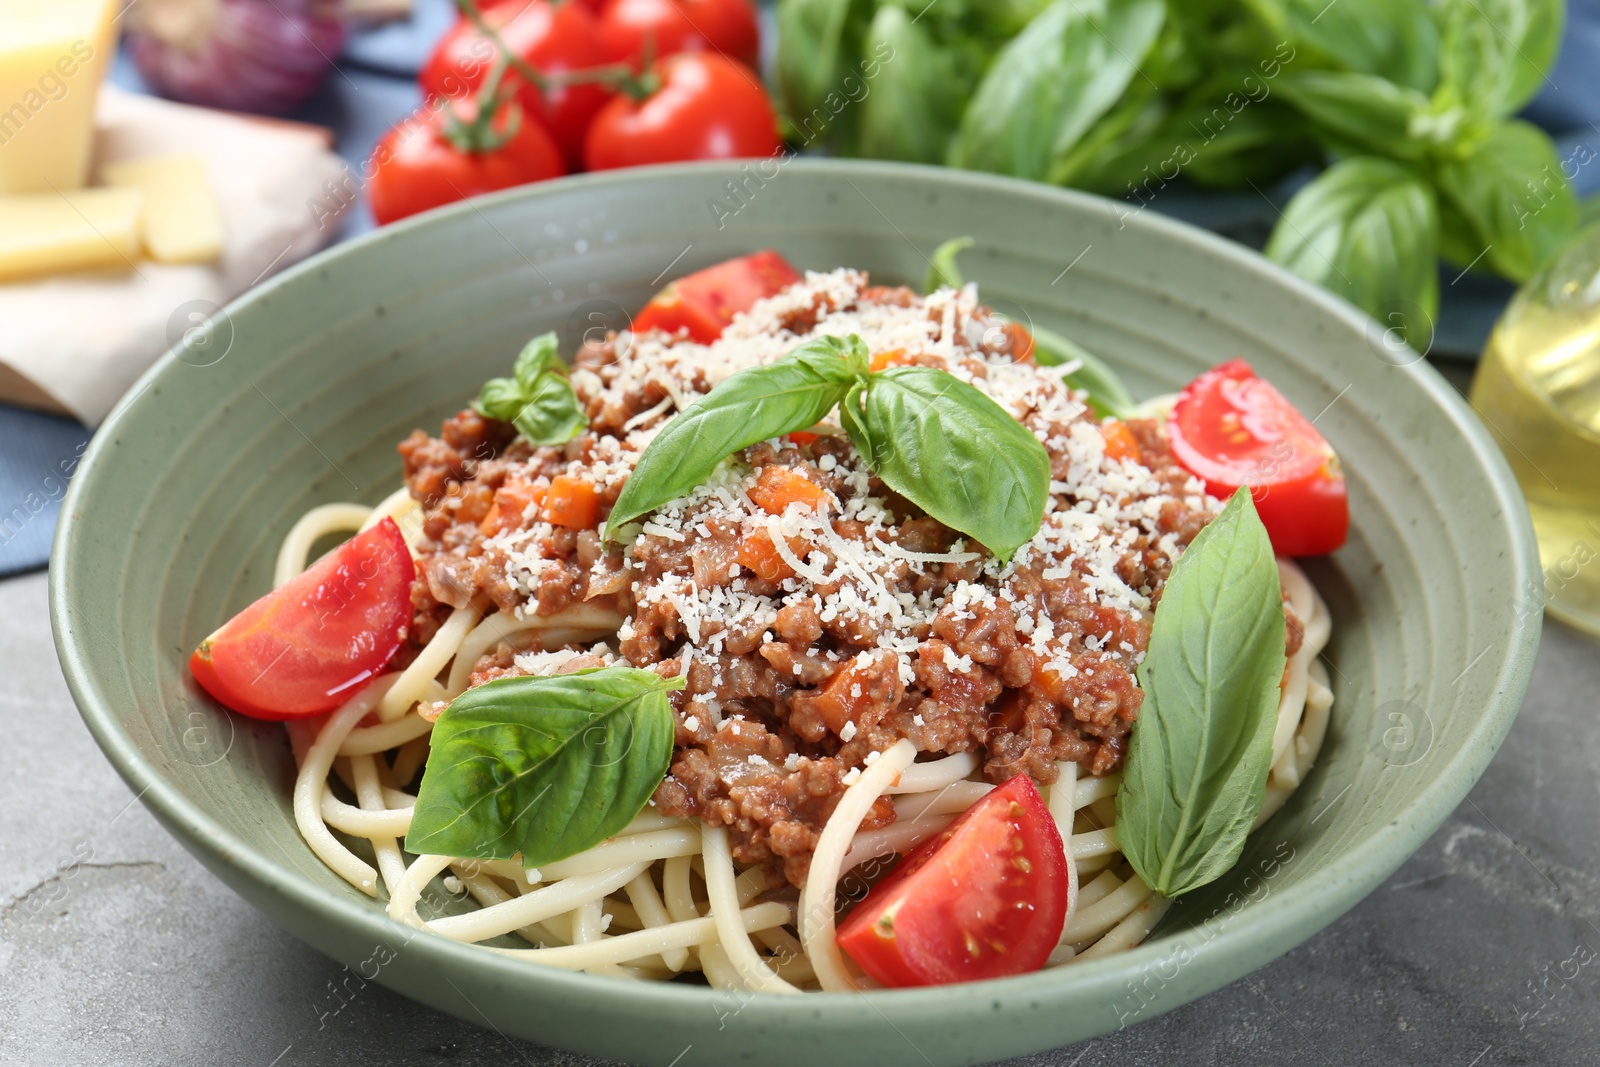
53 54
51 232
181 223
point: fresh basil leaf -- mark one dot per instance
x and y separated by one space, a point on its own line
1107 395
1511 190
1393 39
1198 757
1494 54
751 406
544 767
952 451
1368 230
916 100
549 414
500 398
1363 109
942 269
1052 81
538 356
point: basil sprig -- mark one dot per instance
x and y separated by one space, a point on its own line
934 439
538 400
1200 750
544 767
953 452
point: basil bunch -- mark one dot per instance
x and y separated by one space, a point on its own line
932 438
543 767
538 400
1198 757
1408 100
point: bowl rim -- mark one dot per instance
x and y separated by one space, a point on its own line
1278 921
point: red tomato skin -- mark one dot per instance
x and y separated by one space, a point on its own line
304 648
703 303
731 27
415 168
1293 473
550 38
708 107
1002 862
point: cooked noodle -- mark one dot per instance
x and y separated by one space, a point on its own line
664 897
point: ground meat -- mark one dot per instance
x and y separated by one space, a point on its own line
875 622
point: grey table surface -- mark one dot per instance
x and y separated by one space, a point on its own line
117 947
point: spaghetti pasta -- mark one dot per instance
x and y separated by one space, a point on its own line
875 772
680 915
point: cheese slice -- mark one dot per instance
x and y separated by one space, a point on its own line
53 54
65 231
181 222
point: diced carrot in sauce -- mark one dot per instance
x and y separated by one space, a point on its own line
778 487
757 555
1120 442
803 437
854 690
1021 342
573 503
511 500
889 357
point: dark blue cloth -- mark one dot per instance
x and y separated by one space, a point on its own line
372 89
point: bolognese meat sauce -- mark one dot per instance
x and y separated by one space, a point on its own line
817 616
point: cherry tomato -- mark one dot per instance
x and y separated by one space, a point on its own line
305 647
415 168
706 107
552 39
1231 428
631 28
706 301
984 899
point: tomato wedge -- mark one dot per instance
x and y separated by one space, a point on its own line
706 301
304 647
1231 428
984 899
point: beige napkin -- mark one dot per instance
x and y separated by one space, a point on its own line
75 342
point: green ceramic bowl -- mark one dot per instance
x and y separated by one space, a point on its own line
301 391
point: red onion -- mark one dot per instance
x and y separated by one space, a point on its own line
243 55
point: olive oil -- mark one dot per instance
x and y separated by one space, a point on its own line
1537 389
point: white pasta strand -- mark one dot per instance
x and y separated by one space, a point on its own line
1098 889
572 623
414 680
357 822
312 527
1094 843
1131 930
366 740
953 799
391 864
1063 801
754 973
896 837
645 847
536 905
653 913
641 944
935 774
312 782
817 898
1094 920
1092 790
403 898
